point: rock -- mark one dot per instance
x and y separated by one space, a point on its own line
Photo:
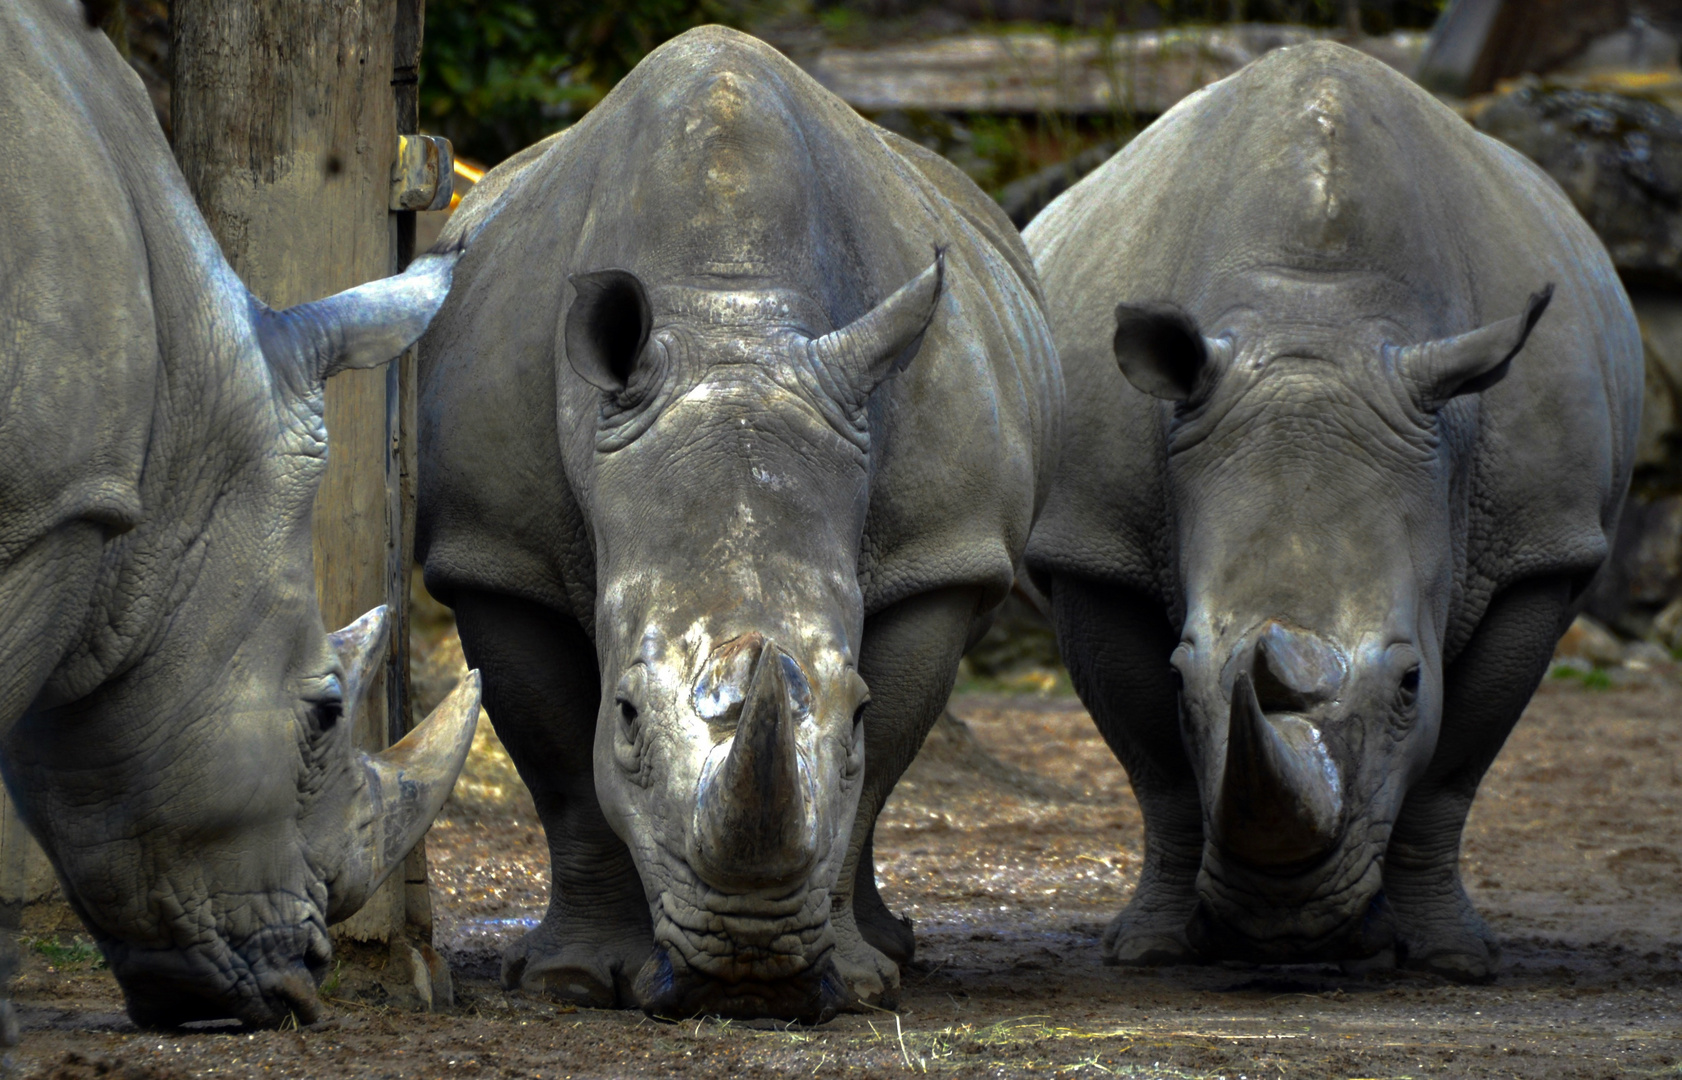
1589 640
1645 654
1644 571
443 987
418 977
1658 457
1667 625
1477 43
1617 155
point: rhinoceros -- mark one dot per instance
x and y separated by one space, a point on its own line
1352 399
732 430
174 719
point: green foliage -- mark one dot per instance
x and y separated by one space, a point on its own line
1594 678
331 985
71 953
498 75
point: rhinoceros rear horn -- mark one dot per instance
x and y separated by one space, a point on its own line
1161 351
1436 371
884 339
401 789
359 328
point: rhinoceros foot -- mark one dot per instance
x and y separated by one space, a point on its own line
1143 937
1438 929
882 930
1465 952
868 973
1151 929
571 960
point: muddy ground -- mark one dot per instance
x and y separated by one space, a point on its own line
1011 843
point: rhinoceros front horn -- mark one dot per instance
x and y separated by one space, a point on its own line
403 787
752 815
1281 796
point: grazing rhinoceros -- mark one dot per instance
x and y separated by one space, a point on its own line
736 420
1310 547
172 714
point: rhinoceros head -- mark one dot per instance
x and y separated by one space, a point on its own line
728 491
1313 502
191 769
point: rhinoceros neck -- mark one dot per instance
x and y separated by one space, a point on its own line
211 428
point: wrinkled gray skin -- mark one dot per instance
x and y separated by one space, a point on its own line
173 714
1338 464
715 450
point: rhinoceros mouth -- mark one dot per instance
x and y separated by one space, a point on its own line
735 937
1335 912
261 981
741 954
669 988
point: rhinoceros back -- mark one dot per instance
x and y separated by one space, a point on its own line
1322 170
78 344
827 206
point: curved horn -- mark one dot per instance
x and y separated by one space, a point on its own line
1281 796
358 328
404 789
361 648
751 816
1435 371
883 339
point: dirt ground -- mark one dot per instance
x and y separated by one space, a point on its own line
1011 843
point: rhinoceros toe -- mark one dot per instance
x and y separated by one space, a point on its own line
1440 931
1148 936
1467 958
592 973
869 975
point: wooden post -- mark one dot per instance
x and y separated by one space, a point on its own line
401 385
286 128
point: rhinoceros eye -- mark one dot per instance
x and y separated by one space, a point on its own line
326 714
1408 692
325 701
632 689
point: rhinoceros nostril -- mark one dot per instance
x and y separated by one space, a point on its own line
1271 691
724 678
1293 669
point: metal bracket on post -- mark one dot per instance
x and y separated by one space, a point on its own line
423 174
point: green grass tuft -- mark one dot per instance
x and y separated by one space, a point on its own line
72 953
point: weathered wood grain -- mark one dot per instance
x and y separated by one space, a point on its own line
285 126
1141 73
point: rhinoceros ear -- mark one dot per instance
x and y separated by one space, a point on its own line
1161 351
359 328
1436 371
607 326
884 339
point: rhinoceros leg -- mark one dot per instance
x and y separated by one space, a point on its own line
44 593
909 661
1116 643
1485 691
542 692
